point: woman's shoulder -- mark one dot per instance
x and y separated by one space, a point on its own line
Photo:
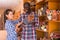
8 22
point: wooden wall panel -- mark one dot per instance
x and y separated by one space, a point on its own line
54 0
59 5
26 1
53 5
1 19
53 26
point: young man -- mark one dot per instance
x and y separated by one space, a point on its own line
30 23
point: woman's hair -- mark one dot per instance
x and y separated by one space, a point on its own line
6 12
27 5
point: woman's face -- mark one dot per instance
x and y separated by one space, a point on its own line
10 15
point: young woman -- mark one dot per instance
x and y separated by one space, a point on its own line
9 26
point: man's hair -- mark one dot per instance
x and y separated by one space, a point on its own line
26 4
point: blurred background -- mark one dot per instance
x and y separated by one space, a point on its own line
48 13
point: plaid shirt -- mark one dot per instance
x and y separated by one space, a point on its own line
29 32
10 28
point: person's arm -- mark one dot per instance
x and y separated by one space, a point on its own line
17 27
17 20
36 20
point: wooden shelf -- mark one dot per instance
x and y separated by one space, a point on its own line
41 3
54 0
42 18
40 33
26 1
40 30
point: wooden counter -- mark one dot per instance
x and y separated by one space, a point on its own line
40 33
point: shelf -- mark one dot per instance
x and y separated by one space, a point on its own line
52 21
40 33
41 2
54 0
40 30
42 18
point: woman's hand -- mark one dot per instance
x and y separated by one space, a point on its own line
17 25
20 23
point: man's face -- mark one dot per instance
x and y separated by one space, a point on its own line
27 6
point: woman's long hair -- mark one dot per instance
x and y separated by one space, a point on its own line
6 12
